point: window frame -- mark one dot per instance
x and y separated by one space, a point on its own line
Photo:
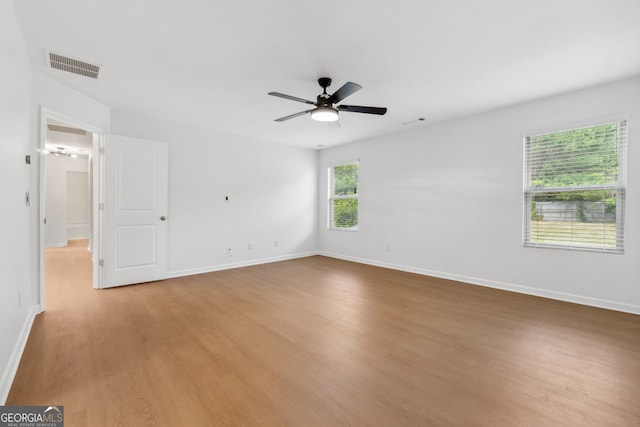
331 197
619 187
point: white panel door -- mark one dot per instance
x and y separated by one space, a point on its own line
135 211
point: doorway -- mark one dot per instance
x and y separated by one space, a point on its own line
67 212
137 191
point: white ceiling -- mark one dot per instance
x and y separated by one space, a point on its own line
211 63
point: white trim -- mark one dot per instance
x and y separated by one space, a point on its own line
576 124
59 117
332 197
55 245
11 369
347 230
42 201
334 163
249 263
560 296
98 209
616 251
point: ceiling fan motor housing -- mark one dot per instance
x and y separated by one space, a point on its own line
323 99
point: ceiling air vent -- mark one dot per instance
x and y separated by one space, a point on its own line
66 129
412 122
74 66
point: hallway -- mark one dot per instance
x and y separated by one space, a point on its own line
68 273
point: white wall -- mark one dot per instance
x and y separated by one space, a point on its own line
447 200
24 91
16 291
56 202
272 192
71 106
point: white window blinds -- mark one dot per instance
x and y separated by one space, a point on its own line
574 188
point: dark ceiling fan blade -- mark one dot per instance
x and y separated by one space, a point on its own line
292 98
293 116
358 109
349 88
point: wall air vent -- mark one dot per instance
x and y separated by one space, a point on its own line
66 129
71 65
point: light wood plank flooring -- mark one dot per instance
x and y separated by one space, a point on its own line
324 342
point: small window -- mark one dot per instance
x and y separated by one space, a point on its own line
574 188
343 197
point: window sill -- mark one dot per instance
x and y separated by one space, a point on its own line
615 251
348 230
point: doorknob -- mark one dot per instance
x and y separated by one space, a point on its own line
163 218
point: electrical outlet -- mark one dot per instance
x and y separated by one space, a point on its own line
387 248
250 246
19 299
229 252
276 243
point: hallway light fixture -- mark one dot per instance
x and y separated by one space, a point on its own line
60 152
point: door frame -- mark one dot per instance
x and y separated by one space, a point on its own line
97 171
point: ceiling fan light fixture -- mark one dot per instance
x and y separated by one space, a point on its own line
326 108
324 114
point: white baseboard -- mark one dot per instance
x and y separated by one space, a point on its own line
56 245
561 296
248 263
14 361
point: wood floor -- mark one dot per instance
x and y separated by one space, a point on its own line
323 342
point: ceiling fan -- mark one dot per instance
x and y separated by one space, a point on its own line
325 109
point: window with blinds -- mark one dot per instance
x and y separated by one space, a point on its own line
574 188
343 197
